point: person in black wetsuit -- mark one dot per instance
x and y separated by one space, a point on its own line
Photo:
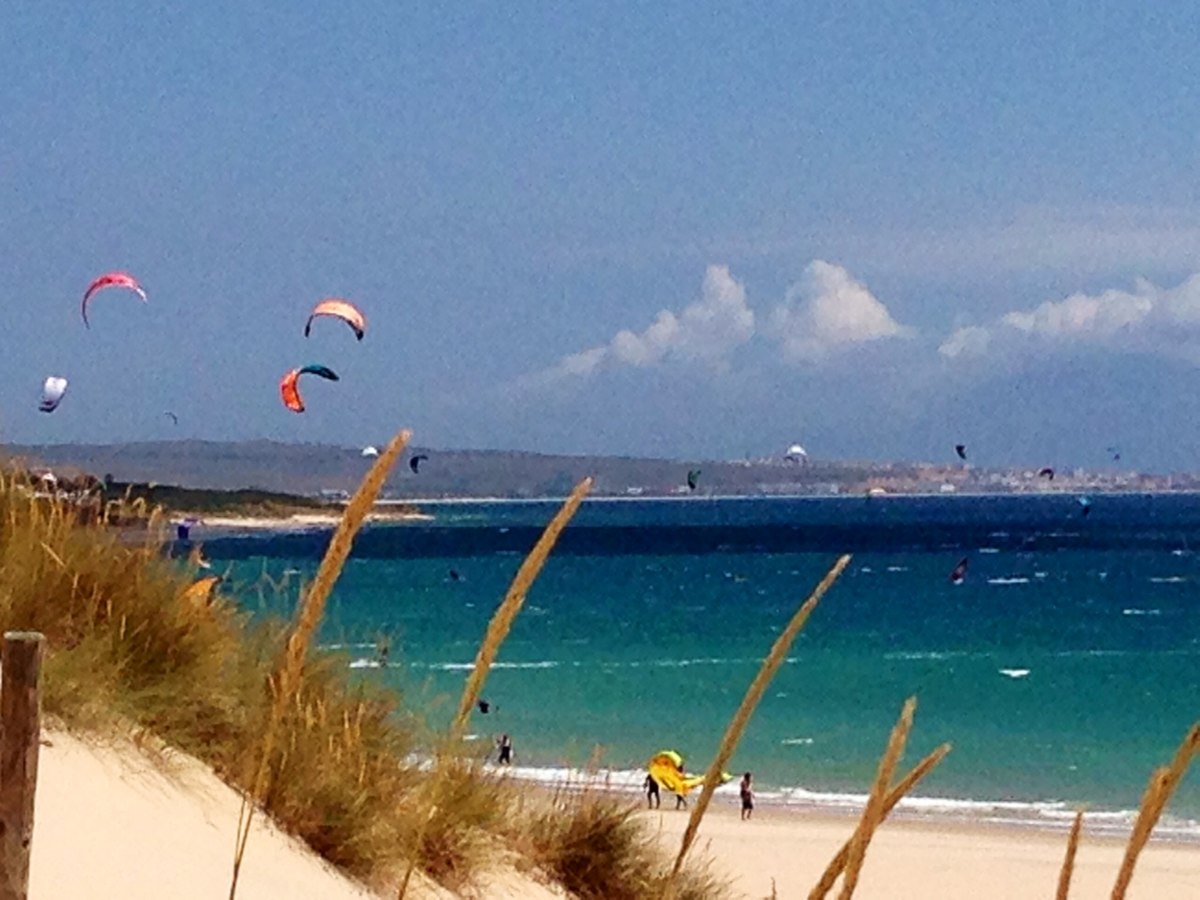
747 793
653 801
504 749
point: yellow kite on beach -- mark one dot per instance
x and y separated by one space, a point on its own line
666 767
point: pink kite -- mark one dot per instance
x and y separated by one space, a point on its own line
107 280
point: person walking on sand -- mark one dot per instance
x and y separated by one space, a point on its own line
504 750
653 801
747 793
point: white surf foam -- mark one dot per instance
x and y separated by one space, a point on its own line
1014 673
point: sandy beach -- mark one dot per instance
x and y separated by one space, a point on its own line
112 822
788 850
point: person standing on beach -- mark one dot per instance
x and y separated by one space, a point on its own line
747 793
504 750
653 801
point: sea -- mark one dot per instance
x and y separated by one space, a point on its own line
1063 669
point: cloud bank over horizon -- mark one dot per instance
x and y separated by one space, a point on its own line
827 310
1147 319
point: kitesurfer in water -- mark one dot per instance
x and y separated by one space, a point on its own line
653 800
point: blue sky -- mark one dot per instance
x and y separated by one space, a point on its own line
876 228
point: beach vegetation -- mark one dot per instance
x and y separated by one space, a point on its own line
594 844
131 651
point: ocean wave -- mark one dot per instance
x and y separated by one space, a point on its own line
1043 814
1014 580
1014 673
1168 579
469 666
800 741
1134 611
365 664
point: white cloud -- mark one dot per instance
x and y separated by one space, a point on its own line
1148 319
706 331
969 341
1081 315
827 310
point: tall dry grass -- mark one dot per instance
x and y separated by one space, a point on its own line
287 684
1068 866
502 620
1162 785
597 846
498 628
873 811
838 864
741 718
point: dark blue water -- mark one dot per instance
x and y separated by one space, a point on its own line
1064 669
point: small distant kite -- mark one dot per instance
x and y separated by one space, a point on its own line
961 450
1114 452
107 280
52 393
415 462
289 388
174 418
1047 473
796 454
339 309
370 451
959 574
693 479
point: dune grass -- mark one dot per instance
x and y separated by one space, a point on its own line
1068 866
741 718
1163 782
288 683
137 643
594 844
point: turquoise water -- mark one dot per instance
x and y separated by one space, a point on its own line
1063 670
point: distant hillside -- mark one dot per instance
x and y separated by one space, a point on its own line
313 468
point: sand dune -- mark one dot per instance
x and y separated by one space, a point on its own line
112 822
109 822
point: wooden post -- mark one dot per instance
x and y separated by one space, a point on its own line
20 733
